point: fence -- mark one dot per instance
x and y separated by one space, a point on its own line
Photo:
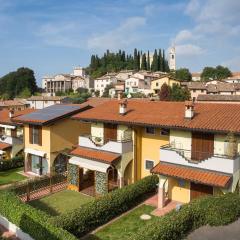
40 186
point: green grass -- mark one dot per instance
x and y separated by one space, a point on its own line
61 202
11 176
124 226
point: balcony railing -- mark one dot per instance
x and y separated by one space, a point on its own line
119 145
229 151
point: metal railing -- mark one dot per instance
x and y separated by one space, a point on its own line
229 152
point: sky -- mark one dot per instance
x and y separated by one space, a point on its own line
53 36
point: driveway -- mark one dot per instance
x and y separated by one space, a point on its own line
229 232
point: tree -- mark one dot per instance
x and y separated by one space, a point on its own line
178 93
25 93
218 73
106 90
183 74
164 94
154 66
148 62
160 60
144 62
15 82
97 93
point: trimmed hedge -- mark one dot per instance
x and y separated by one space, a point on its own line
100 211
15 162
30 220
213 211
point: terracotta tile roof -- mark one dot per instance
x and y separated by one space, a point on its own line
97 155
4 146
5 119
218 98
9 103
192 174
196 85
218 117
47 98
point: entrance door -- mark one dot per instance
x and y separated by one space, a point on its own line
202 146
110 132
199 190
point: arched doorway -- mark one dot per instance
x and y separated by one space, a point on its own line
112 178
60 163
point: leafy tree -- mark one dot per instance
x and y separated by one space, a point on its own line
144 62
178 93
138 95
183 74
97 93
13 83
25 93
82 90
106 90
165 93
218 73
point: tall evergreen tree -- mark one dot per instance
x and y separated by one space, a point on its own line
154 66
148 62
135 59
164 62
160 60
144 62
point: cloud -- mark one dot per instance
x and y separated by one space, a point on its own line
123 36
233 63
188 50
184 35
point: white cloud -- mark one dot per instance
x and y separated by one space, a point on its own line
188 50
121 37
192 8
183 35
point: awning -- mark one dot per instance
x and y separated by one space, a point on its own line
89 164
193 174
7 126
35 152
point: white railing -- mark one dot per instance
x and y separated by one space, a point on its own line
120 147
11 140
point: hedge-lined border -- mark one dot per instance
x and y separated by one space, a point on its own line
100 211
30 220
213 211
12 163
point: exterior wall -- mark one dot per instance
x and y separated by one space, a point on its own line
196 92
157 84
42 104
181 139
100 84
150 145
178 191
97 130
123 132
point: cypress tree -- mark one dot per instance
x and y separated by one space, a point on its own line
148 62
160 60
144 62
138 61
154 66
164 62
135 60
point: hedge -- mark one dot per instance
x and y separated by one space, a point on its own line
32 221
213 211
11 163
91 215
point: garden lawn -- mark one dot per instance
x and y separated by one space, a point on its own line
61 202
11 176
124 226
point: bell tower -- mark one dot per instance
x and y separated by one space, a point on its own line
172 58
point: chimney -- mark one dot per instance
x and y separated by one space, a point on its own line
11 113
189 109
123 107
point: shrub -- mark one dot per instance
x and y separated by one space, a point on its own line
94 214
214 211
11 163
29 219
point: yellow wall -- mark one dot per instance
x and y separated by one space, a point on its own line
178 193
157 84
150 148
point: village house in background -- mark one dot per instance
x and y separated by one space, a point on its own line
15 105
64 82
11 134
40 102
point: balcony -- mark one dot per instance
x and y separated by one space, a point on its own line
121 146
226 162
11 140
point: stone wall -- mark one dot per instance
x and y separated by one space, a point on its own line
101 182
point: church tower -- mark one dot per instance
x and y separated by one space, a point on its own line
172 58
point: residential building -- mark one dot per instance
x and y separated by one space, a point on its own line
11 134
196 76
196 88
65 82
49 134
40 102
156 84
194 148
14 105
101 82
124 74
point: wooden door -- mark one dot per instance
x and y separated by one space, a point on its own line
202 146
110 132
199 190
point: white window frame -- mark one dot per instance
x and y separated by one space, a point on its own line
150 133
145 164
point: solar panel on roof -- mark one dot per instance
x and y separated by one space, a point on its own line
50 113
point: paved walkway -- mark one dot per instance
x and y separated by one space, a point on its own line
229 232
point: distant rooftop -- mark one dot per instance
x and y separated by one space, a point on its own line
46 98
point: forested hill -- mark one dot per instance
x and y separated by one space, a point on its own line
113 62
20 83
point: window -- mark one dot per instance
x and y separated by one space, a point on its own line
202 90
172 56
157 84
150 130
149 164
35 134
194 90
165 132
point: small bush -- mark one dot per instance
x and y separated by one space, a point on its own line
94 214
214 211
30 220
15 162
